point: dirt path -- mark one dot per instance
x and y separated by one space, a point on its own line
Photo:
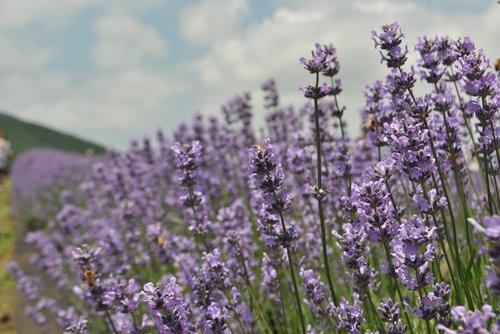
13 248
8 235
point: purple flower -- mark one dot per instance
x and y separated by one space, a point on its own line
349 317
79 326
267 175
429 60
313 287
412 266
426 308
442 293
430 206
491 230
464 47
353 245
312 92
167 307
470 322
445 51
411 150
271 96
434 305
388 39
27 285
188 159
216 318
241 308
319 61
333 65
375 209
391 316
85 256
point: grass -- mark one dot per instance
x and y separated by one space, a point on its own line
25 136
7 284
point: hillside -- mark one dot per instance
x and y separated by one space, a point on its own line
25 136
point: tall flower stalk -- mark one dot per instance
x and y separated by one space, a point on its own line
269 178
318 63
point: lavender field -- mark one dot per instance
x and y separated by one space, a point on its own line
297 227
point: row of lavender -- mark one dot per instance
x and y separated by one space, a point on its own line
310 231
44 178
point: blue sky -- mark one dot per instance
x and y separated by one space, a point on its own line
118 69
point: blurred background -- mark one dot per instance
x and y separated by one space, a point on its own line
108 71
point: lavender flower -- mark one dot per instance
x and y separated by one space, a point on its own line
353 245
166 307
333 65
315 93
215 321
412 266
473 67
375 210
187 160
319 62
434 305
349 317
429 60
391 316
412 151
470 322
271 96
480 82
442 293
80 326
267 175
314 289
388 39
491 230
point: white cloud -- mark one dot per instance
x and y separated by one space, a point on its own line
22 55
210 21
18 13
272 47
124 41
134 89
109 107
22 13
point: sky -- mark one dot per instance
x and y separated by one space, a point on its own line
114 70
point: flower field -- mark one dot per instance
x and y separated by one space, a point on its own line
297 228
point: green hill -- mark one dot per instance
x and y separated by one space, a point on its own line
25 136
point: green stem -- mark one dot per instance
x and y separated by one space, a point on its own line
342 131
231 305
487 176
292 273
372 305
400 295
495 143
295 287
252 293
108 317
443 247
458 180
466 119
197 220
427 324
442 179
320 205
282 300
